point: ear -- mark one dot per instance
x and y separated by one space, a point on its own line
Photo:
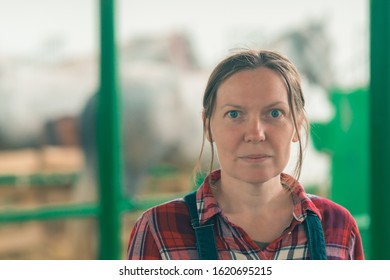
295 137
296 132
206 127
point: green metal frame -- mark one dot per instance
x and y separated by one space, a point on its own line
108 138
39 180
380 128
82 210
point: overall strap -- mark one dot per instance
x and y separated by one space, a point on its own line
204 234
315 237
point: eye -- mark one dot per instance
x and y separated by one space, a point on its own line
275 113
233 114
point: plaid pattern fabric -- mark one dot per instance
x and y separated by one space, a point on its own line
165 232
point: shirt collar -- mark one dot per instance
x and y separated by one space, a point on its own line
208 206
302 202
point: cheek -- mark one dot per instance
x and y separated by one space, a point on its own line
226 135
226 139
283 142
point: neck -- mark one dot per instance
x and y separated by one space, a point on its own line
235 196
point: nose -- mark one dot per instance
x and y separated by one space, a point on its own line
255 131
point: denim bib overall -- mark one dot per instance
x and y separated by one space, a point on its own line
205 238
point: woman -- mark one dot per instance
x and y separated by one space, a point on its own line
253 110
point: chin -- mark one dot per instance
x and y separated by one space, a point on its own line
256 178
256 181
259 176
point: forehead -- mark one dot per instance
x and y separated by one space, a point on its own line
248 86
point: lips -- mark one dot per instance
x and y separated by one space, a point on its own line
255 157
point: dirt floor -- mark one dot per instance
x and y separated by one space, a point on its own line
66 238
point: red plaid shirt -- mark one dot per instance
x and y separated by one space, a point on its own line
165 232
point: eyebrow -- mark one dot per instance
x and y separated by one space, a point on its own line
273 104
232 105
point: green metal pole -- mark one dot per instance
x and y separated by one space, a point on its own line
108 139
380 128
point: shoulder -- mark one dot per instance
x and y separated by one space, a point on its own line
165 214
165 230
160 221
333 215
152 233
340 230
329 208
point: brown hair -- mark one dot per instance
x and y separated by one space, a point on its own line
250 60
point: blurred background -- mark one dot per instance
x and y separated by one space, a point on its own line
49 77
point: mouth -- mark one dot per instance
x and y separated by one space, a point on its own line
253 158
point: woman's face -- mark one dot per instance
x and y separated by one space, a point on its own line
252 126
